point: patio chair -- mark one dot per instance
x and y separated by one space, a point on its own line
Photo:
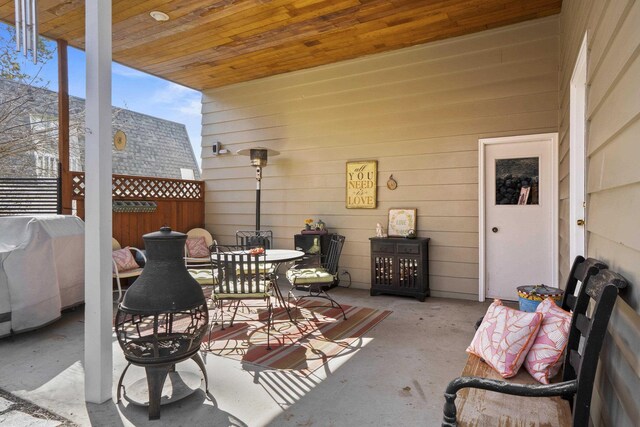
317 280
197 247
124 263
249 239
254 238
240 275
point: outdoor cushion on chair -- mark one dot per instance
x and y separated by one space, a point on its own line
197 247
544 359
204 276
505 337
123 259
264 269
124 264
305 276
197 253
317 280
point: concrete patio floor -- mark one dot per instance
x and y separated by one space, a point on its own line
396 378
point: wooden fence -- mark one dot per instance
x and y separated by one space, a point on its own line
29 196
173 202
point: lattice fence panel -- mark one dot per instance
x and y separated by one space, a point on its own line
135 188
77 185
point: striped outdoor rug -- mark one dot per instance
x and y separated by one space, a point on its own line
320 334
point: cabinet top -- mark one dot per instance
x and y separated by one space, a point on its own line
400 239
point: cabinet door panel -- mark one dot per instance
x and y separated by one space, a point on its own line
409 273
384 248
412 249
383 270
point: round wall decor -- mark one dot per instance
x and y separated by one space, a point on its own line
120 140
392 184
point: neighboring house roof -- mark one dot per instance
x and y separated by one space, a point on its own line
155 147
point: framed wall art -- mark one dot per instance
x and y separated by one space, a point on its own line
362 184
401 221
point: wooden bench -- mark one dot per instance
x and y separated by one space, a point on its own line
481 401
479 407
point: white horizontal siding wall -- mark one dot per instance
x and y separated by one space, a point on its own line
613 182
418 111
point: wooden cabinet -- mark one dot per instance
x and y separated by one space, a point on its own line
400 266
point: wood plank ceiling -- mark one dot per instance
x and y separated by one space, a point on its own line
212 43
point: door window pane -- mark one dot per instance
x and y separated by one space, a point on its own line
517 181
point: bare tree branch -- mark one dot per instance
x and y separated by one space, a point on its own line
25 124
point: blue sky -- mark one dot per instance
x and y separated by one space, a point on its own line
131 89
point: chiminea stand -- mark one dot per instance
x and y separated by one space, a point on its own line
183 384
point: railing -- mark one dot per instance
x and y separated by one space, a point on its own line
177 203
28 196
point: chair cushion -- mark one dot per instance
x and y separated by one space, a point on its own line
262 268
301 276
204 276
505 337
197 247
545 357
124 259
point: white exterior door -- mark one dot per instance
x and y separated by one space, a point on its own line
518 218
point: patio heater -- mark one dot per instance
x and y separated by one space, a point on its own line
258 158
160 322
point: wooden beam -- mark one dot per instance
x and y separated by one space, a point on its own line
63 127
98 351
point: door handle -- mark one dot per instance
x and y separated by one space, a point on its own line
494 229
580 222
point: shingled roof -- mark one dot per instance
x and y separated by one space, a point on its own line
155 147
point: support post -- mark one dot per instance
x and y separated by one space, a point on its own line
64 193
258 181
98 356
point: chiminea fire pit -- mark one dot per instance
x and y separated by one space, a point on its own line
163 316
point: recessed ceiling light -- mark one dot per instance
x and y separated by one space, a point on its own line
159 16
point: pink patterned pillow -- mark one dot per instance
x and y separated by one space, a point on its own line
197 247
504 338
124 259
545 357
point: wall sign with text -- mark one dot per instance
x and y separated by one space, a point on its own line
402 222
362 184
